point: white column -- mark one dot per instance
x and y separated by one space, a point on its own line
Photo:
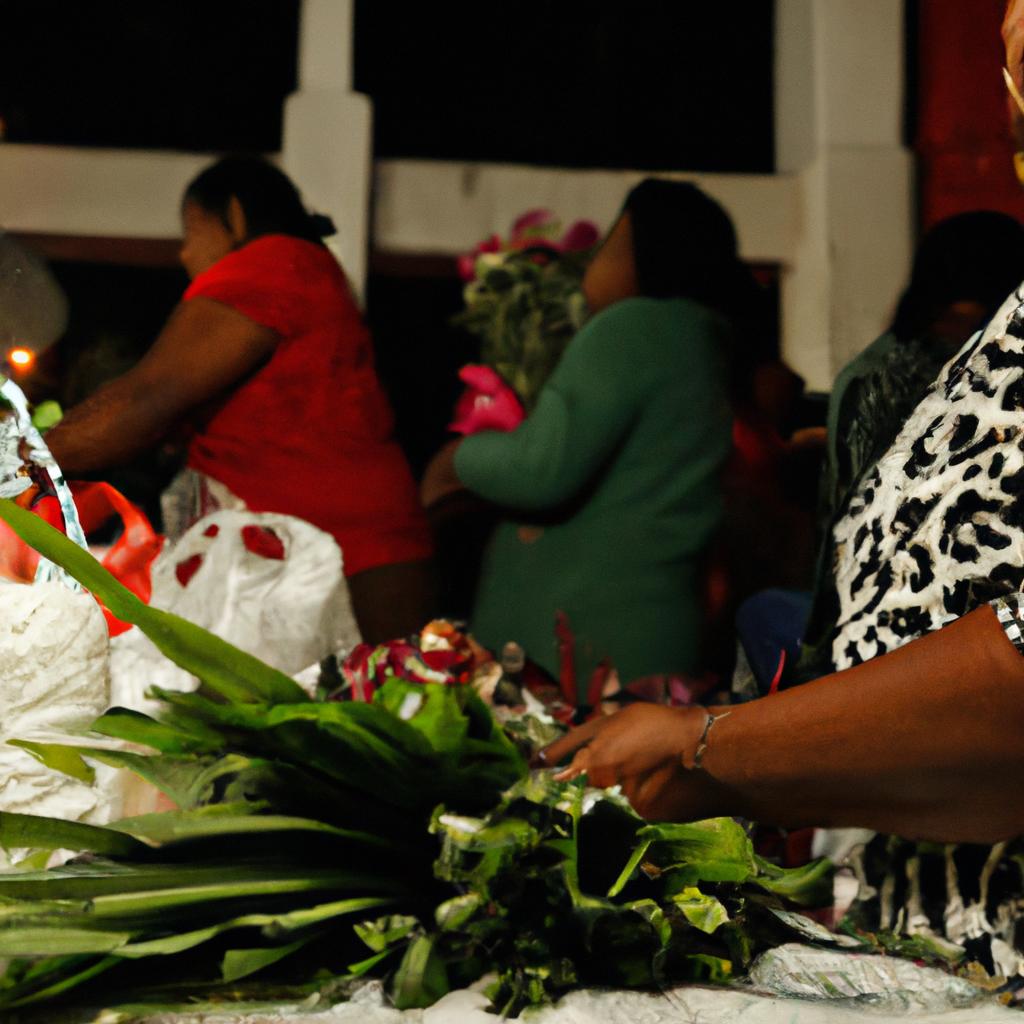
839 108
328 141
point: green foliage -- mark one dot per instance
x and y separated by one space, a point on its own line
565 886
302 822
525 306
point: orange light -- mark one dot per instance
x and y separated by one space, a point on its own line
20 357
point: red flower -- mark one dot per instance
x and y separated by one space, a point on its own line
488 403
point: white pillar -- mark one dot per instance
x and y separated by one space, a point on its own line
839 109
328 141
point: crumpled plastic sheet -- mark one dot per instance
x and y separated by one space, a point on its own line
834 988
53 680
20 441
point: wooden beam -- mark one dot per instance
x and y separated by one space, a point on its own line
136 252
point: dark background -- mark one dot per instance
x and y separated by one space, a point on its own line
659 85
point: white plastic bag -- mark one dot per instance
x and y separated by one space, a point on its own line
282 597
54 679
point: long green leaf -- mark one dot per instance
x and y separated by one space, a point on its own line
54 978
115 889
193 824
135 727
60 757
240 963
271 926
58 941
222 667
37 832
187 779
421 978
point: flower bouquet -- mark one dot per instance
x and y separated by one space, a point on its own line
523 297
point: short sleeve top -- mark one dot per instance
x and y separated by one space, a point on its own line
309 433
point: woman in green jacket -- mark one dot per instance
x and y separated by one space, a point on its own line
612 482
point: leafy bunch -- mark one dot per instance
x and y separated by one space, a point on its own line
562 886
318 842
524 300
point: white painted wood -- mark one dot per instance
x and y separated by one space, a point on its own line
839 103
433 206
106 192
328 153
325 45
328 133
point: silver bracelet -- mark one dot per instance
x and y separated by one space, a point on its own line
702 743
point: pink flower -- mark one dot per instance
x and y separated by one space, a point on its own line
467 261
533 226
534 229
488 403
582 235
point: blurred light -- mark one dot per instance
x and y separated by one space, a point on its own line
21 358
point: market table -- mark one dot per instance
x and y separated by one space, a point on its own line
793 984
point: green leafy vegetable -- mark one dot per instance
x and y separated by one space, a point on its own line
310 834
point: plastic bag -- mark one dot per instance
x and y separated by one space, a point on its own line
129 559
53 680
270 584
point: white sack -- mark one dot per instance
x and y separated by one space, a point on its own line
54 679
290 613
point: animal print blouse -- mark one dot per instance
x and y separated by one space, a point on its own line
937 528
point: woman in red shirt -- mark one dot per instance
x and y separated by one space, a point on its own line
268 360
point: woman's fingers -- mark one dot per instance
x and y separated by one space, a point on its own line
578 766
599 772
572 740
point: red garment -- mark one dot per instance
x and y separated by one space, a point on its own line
309 433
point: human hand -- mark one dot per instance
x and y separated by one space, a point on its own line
488 403
808 439
439 478
641 749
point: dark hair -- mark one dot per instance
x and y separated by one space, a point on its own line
977 256
684 246
268 197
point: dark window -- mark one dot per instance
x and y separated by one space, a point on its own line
671 84
174 74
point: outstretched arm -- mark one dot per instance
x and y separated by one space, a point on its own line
925 742
204 349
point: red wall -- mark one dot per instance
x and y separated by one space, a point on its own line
965 154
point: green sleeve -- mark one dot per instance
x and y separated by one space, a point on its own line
582 413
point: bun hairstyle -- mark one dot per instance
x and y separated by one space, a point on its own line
268 197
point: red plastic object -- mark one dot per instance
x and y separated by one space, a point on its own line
184 571
566 640
261 540
131 558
